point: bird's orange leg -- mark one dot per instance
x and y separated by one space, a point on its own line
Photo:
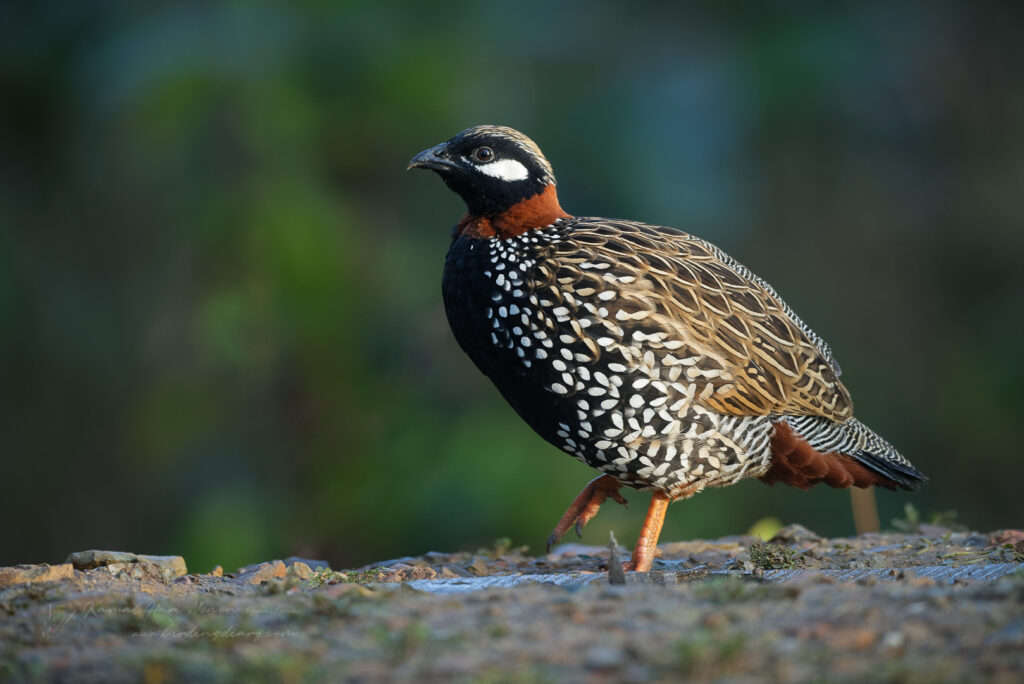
585 506
647 543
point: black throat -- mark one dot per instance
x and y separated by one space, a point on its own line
488 196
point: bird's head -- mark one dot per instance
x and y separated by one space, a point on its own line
496 170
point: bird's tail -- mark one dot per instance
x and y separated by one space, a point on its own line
857 441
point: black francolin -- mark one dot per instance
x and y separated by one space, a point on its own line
642 351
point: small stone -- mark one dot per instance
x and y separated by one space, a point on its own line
893 640
262 572
157 567
217 571
120 569
300 570
616 575
90 560
311 564
794 534
23 574
1007 537
174 564
603 657
396 572
478 566
437 557
400 572
447 572
138 571
422 572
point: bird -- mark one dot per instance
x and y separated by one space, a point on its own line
643 351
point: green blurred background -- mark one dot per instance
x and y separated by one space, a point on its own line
220 313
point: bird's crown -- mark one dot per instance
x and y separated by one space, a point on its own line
508 144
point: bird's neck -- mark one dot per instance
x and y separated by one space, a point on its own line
533 212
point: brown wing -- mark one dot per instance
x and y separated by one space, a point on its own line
668 297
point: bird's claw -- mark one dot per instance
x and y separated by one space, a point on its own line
552 540
587 513
585 506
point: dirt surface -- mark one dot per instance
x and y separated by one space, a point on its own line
924 608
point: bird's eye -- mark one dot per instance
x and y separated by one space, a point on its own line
483 154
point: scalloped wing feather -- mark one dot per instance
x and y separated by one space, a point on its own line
710 321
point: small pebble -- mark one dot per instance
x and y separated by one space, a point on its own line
602 657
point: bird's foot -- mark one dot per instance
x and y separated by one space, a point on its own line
642 564
585 506
646 549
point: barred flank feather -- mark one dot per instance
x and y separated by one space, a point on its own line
855 439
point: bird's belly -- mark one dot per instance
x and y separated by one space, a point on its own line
679 452
648 435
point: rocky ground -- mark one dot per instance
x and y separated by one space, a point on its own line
938 606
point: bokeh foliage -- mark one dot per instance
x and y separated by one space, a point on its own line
220 315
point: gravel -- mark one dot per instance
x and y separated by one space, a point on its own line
897 607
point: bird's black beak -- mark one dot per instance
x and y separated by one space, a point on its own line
435 158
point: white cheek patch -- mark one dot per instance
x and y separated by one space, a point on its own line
505 169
